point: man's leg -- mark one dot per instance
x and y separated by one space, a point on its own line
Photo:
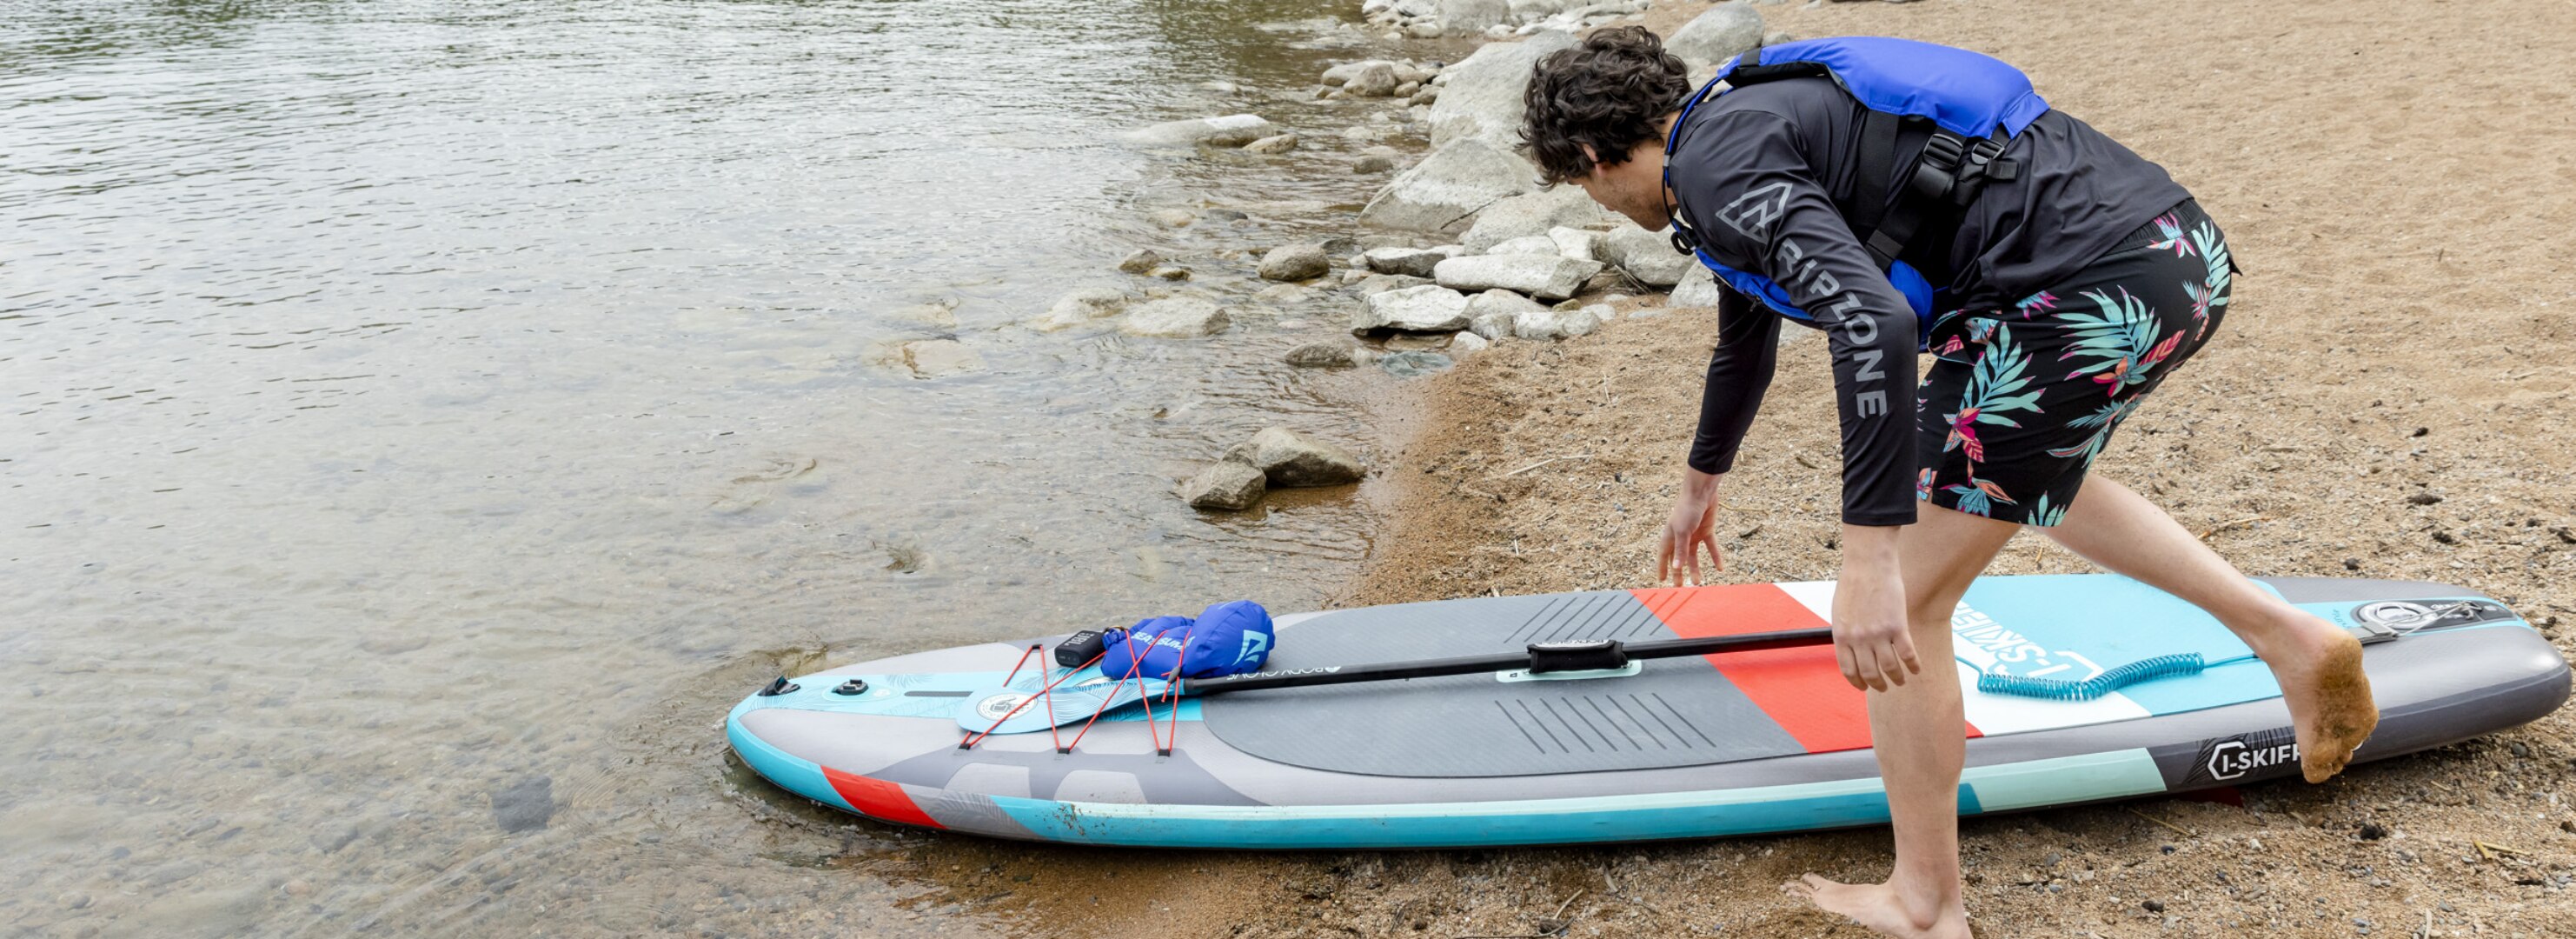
2318 665
1920 736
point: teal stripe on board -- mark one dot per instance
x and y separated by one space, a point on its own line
1806 806
795 774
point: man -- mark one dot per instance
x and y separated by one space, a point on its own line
1835 183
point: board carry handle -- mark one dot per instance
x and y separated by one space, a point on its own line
1539 658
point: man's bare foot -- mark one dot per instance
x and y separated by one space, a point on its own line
1880 908
2331 710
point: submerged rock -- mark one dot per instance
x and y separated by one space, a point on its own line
1080 306
940 358
525 805
1176 318
1290 459
1232 130
1281 143
1141 261
1545 276
1425 309
1295 262
1415 364
1224 485
1448 186
1375 80
1324 355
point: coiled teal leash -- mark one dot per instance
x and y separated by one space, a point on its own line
2162 666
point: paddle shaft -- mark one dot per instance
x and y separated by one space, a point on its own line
1539 659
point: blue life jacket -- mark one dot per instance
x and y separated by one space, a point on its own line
1975 103
1226 639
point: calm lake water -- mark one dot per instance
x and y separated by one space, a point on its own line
419 422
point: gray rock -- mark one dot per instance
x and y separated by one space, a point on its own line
1077 307
1341 75
1373 284
1232 130
1323 355
1698 288
1284 294
940 358
1450 185
1726 30
1373 162
1647 256
1411 262
1531 11
1521 216
1467 343
1415 364
1226 485
1553 324
1493 326
525 805
1141 261
1377 80
1171 272
1577 243
1424 309
1289 459
1281 143
1776 37
1602 313
1527 244
1469 17
1295 262
1176 318
1482 97
1499 303
1545 276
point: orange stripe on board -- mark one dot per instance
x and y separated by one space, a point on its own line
878 799
1801 689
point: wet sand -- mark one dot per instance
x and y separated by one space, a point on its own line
2399 191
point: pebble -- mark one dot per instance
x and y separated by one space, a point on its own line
1174 218
1295 262
1278 144
1141 261
1172 272
1323 355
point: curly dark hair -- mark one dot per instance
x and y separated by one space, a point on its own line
1607 92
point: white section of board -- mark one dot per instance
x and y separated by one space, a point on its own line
1991 714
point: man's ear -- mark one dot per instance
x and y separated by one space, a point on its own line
1589 155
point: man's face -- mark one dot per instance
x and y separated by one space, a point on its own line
1630 189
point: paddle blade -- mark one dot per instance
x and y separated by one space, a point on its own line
1022 706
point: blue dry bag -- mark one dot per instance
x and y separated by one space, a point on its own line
1226 639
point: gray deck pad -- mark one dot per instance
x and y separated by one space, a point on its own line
1676 712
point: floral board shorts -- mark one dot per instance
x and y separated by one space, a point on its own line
2020 401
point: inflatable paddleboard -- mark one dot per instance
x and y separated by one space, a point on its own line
1729 744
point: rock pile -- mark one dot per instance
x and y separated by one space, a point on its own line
1275 458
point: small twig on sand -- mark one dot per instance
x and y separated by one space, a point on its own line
2187 833
2233 524
1614 885
1578 456
1559 915
2427 931
2489 851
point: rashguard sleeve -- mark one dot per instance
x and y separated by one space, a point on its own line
1748 343
1760 208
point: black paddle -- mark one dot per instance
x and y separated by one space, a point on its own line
1540 659
1003 709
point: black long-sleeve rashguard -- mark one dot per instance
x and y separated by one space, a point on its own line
1760 171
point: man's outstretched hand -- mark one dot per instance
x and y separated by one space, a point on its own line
1692 527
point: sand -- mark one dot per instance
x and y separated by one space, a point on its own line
2399 179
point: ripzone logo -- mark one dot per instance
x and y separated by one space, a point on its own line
1756 214
1285 672
2232 759
1993 648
